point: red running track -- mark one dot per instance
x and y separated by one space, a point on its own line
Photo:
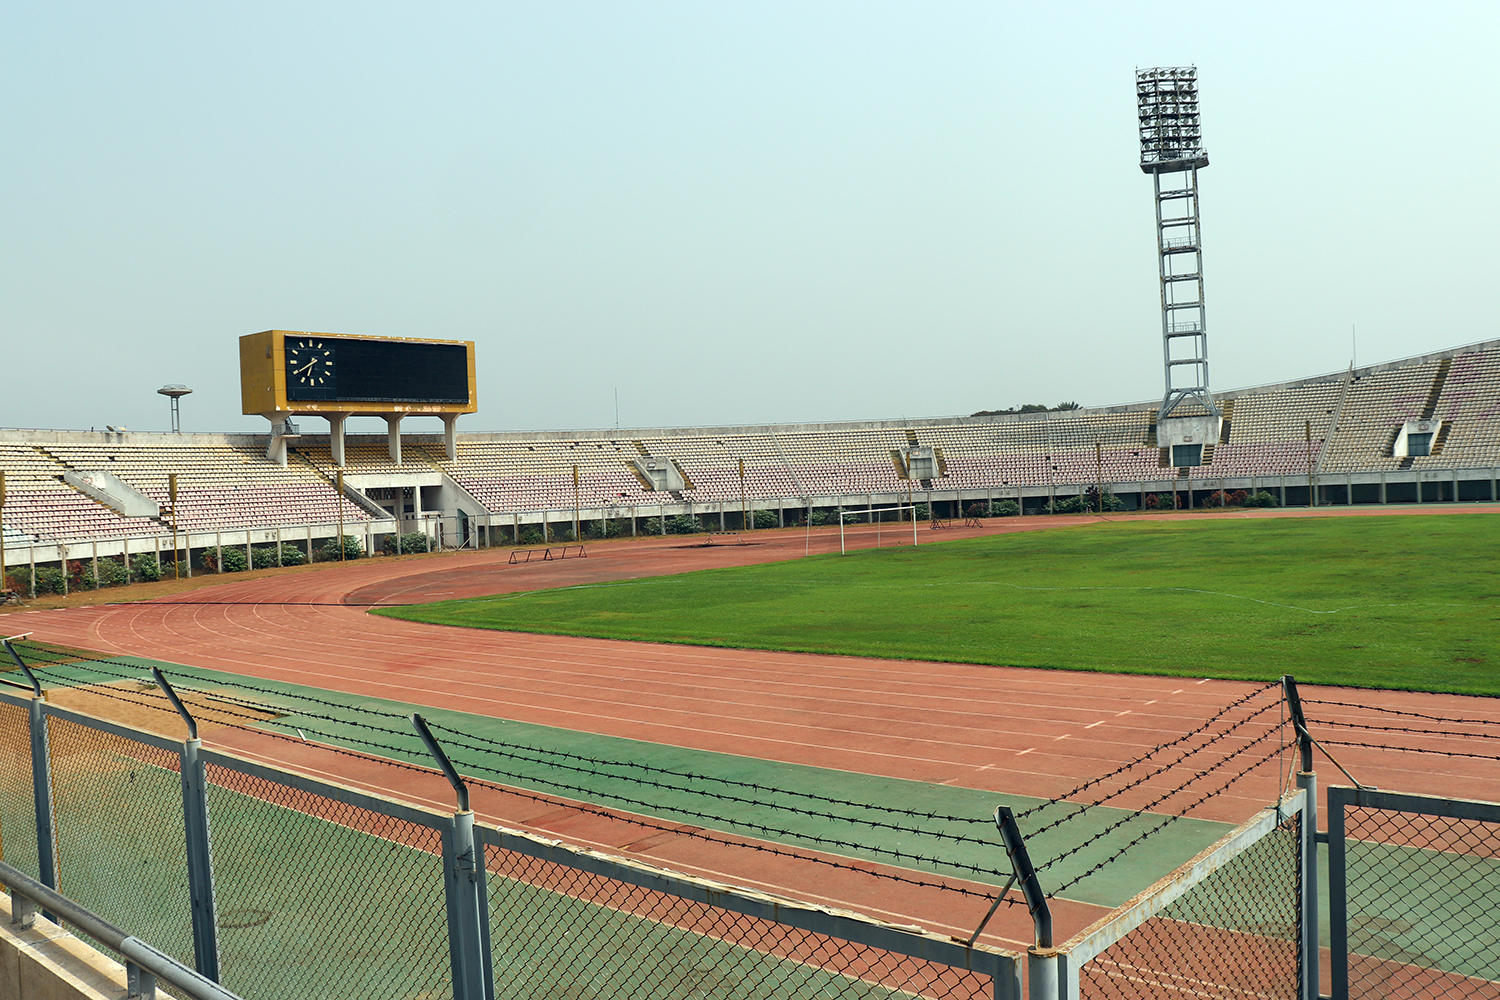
1022 731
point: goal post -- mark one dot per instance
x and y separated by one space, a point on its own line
843 549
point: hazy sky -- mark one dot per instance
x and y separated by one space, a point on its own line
754 212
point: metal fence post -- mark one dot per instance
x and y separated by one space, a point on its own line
1044 966
41 772
1307 945
199 847
41 787
463 877
1338 901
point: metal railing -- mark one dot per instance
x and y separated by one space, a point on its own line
144 965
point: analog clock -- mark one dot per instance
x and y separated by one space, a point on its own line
311 371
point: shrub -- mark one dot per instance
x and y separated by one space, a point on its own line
604 528
561 532
531 535
683 524
353 548
291 555
1005 508
80 575
50 580
228 559
112 573
821 518
765 519
1262 499
1069 505
1111 502
924 513
263 557
412 541
144 566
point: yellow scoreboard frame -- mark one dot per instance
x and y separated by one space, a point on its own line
263 377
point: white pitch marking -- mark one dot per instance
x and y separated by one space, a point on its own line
1026 751
1091 725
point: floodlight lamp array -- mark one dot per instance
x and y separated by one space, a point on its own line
1167 108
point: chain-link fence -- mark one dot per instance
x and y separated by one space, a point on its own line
1226 924
17 802
1415 883
318 898
307 889
118 829
620 931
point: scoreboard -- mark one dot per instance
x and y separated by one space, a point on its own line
292 372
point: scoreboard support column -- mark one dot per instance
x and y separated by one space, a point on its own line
336 436
450 435
393 436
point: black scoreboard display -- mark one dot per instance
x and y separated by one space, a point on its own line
376 371
283 371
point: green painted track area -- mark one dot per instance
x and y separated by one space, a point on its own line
937 829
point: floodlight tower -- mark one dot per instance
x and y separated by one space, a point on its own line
175 393
1172 153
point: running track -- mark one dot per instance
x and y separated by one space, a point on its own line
1030 732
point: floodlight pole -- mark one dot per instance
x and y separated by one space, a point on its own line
1171 144
339 503
175 393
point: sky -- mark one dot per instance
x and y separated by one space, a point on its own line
727 213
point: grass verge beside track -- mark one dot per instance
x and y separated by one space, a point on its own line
1406 603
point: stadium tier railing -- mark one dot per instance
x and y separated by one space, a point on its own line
310 889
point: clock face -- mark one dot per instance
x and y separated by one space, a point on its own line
310 369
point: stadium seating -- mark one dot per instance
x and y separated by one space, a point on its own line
1330 425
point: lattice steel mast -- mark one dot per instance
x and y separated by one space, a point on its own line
1172 152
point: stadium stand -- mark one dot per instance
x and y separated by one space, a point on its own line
1334 431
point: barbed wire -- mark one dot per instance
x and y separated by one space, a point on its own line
1162 769
378 750
1409 749
1071 793
470 765
458 739
158 700
1413 731
1146 809
1399 711
1167 821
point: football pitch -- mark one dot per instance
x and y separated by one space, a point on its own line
1391 602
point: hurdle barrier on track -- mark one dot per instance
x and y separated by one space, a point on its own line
546 555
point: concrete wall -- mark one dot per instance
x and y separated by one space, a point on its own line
48 963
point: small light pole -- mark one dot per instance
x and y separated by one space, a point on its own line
172 499
175 393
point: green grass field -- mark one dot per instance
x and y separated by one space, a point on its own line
1395 602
